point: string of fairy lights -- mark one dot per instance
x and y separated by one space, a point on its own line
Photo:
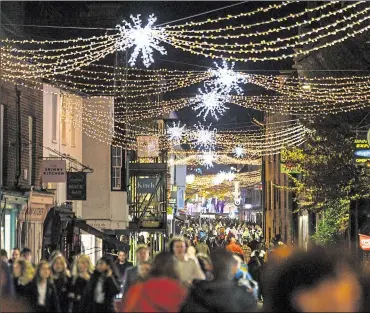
112 108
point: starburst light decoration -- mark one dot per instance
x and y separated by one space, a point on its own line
144 39
239 151
175 132
210 102
204 137
225 79
207 158
190 179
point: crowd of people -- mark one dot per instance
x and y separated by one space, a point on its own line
190 276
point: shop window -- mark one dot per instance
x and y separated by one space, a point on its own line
116 168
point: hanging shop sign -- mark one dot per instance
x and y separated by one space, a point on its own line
147 146
146 185
361 152
76 186
53 171
364 242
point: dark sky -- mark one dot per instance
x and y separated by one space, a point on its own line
107 14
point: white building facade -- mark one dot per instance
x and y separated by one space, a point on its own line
62 132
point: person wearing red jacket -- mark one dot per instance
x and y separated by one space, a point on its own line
233 247
162 292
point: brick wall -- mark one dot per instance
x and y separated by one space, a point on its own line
31 104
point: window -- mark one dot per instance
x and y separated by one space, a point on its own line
116 163
64 125
54 117
30 149
73 128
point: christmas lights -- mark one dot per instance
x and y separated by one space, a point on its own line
207 158
210 102
176 132
203 137
225 79
143 39
239 152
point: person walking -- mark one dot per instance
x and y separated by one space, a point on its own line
122 264
23 274
186 267
131 276
233 247
101 289
61 278
221 294
162 292
81 272
202 247
41 292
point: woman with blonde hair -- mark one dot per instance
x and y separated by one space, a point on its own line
81 273
61 277
23 273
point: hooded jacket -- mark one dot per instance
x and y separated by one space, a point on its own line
218 296
155 295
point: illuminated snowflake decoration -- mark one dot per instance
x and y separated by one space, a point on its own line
210 102
207 158
225 79
190 179
230 176
204 137
143 39
239 152
175 132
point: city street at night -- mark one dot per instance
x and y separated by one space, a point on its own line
184 156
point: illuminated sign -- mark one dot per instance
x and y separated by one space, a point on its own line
361 151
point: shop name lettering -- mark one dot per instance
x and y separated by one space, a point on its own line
361 143
54 171
35 211
143 185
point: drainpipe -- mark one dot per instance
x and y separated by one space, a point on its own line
18 140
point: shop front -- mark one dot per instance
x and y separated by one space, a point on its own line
32 220
10 206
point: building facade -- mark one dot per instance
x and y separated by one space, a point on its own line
277 199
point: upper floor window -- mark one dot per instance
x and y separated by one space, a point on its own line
116 163
54 113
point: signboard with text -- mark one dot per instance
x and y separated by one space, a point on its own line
76 186
147 146
53 171
146 185
361 152
364 242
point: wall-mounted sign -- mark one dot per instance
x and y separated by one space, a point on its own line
53 171
361 151
76 186
147 146
364 242
146 185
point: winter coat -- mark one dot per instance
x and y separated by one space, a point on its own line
218 296
110 289
51 299
76 292
155 295
62 285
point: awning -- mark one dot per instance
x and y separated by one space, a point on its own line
81 224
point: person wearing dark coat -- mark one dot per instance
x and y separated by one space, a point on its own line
101 289
81 273
61 279
131 276
221 294
122 264
41 292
